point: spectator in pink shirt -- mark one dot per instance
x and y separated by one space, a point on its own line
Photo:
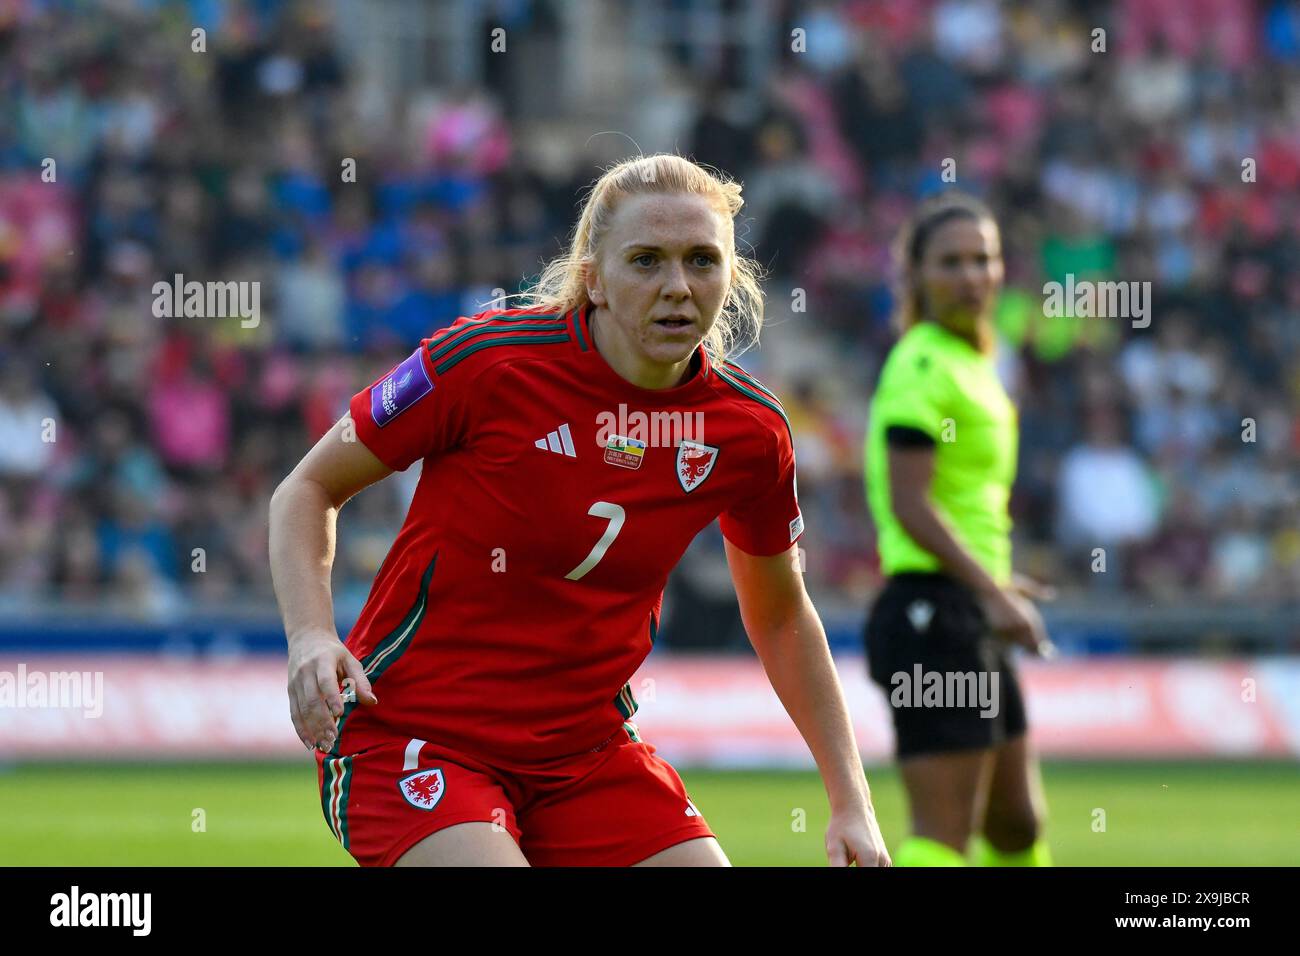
191 421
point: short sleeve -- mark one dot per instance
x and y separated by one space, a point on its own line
912 395
409 413
768 521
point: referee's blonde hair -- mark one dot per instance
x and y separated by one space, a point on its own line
561 285
909 250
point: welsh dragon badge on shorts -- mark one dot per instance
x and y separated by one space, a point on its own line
424 788
694 463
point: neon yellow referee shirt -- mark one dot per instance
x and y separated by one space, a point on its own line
938 383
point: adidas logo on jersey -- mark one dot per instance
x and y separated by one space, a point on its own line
559 441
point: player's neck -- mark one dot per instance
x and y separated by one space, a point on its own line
636 369
974 337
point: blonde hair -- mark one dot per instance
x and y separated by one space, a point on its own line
561 285
909 250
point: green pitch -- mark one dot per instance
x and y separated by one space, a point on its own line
1214 814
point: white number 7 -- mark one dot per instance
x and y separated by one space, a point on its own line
615 514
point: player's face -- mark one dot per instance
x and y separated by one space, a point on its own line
661 276
960 273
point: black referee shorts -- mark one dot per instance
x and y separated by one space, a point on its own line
950 682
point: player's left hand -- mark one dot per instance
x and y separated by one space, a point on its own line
854 837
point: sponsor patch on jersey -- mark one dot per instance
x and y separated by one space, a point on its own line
624 452
796 527
400 389
424 788
695 462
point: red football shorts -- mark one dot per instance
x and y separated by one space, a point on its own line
613 806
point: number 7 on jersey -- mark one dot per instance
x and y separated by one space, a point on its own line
615 514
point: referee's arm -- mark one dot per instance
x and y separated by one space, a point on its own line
911 468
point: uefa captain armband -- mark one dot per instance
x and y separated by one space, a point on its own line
399 389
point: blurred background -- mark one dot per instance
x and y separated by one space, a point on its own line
138 453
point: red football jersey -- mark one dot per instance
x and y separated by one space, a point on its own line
523 590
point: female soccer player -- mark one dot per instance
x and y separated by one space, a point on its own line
491 662
940 459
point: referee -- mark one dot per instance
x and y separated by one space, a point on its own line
940 460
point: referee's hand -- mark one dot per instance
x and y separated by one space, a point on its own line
318 664
1013 617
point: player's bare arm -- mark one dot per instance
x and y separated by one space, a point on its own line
791 643
304 512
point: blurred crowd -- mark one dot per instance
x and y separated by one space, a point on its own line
138 454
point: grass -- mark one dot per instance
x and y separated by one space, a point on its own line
1156 814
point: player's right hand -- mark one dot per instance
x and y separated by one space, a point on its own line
1014 618
318 664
